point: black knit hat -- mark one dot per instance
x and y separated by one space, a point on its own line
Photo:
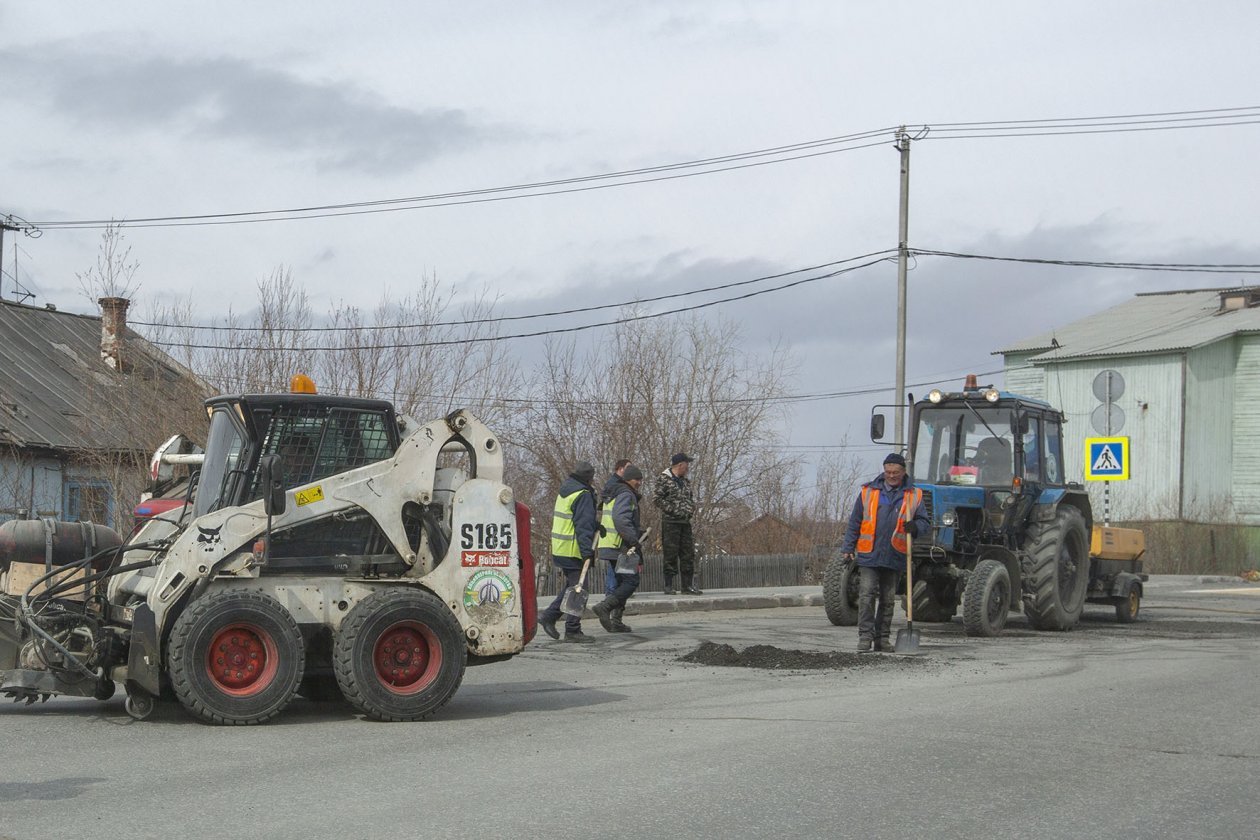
632 473
894 458
583 471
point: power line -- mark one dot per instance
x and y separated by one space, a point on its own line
503 318
1205 268
537 333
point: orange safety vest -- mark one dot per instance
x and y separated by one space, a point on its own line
913 497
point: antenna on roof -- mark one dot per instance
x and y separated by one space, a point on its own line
15 224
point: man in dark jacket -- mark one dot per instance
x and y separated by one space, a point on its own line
572 544
887 509
620 547
672 494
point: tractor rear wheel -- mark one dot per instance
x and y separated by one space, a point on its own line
987 599
399 655
840 592
235 657
931 604
1056 571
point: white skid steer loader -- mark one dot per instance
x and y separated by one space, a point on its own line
326 546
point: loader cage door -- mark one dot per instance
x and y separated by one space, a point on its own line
316 441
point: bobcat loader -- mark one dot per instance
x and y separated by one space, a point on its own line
325 546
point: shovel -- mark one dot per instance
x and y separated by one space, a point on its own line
908 638
574 601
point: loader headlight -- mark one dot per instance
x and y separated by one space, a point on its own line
991 395
935 395
949 519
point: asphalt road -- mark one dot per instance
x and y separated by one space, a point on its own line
1146 730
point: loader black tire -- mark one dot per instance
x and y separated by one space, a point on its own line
840 592
399 655
235 658
930 605
1056 571
987 599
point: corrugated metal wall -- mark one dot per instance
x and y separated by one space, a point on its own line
1245 465
1209 428
1024 379
1152 407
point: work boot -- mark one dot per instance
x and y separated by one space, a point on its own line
688 587
669 585
864 645
578 637
603 611
619 626
884 644
548 625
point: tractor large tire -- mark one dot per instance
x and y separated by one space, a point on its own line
399 655
930 605
235 657
987 599
840 592
1056 571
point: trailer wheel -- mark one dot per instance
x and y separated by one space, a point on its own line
840 592
235 658
1128 607
1056 576
987 599
399 655
139 705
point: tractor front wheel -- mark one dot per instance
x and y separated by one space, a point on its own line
840 592
399 655
930 604
235 657
987 599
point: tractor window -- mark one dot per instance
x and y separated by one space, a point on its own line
962 446
1054 452
1032 450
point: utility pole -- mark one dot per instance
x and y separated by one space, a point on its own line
903 225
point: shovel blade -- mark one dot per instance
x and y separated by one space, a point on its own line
574 602
907 641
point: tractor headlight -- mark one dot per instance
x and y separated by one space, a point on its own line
935 395
991 395
949 519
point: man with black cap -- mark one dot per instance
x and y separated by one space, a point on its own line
572 544
619 546
672 494
887 509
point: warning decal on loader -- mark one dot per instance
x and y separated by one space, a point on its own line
1107 459
310 494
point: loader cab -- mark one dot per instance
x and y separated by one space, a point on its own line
315 436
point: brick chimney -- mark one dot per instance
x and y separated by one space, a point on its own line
113 325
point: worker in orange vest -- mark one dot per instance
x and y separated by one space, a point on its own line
887 509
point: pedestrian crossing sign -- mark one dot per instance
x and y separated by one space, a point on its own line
1107 459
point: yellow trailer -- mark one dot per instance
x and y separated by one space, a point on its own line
1115 570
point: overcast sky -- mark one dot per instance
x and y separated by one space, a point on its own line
141 109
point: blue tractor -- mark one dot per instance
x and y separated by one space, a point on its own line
1009 532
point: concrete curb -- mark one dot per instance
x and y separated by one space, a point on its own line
659 604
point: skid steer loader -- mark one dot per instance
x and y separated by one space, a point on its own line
326 546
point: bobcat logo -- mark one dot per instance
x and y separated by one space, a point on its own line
209 537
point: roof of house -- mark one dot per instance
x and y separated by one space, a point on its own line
55 390
1155 322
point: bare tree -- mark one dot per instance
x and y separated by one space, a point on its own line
114 272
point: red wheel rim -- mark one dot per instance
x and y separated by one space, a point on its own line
242 660
407 657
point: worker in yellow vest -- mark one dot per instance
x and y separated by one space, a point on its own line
887 509
619 547
573 529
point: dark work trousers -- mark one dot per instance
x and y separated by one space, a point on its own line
572 624
876 622
679 547
610 577
626 586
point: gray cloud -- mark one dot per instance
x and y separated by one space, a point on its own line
343 126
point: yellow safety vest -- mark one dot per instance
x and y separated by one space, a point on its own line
611 538
564 541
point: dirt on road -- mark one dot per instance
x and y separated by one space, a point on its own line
779 659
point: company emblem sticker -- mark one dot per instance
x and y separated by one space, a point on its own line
488 595
499 559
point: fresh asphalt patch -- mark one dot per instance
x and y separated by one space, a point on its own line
771 658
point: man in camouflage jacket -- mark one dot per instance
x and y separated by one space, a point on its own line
672 495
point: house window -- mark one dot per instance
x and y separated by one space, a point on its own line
88 500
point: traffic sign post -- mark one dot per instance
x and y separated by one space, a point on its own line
1108 464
